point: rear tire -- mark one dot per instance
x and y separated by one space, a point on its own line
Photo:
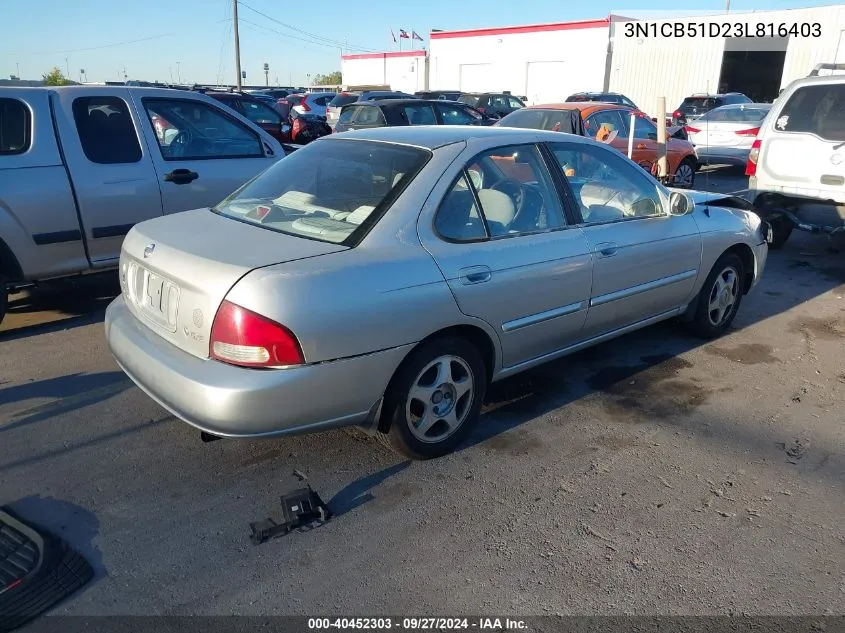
435 398
684 176
720 297
781 230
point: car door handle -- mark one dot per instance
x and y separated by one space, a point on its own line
607 249
181 176
642 146
475 275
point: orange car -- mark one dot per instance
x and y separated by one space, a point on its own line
610 123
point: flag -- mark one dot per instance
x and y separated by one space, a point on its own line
414 36
393 35
403 34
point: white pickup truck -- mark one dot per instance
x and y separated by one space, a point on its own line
80 165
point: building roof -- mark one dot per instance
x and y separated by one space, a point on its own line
529 28
385 55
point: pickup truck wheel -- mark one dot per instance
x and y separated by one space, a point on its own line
719 299
435 398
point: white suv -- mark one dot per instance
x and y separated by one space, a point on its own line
796 166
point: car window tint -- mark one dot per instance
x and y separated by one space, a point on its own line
606 186
321 101
369 115
606 121
517 194
456 115
15 127
469 99
188 129
342 100
347 114
818 110
259 113
457 218
419 115
106 130
735 115
513 102
327 190
643 127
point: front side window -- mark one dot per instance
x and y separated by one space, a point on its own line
815 109
419 115
643 127
331 191
260 113
605 122
515 192
192 130
606 186
15 127
514 103
106 130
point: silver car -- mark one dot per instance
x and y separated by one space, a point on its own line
385 277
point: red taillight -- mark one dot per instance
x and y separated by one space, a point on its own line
691 130
751 132
297 126
753 156
677 114
242 337
305 106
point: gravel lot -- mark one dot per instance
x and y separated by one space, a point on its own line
652 474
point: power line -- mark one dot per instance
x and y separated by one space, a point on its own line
285 35
96 48
325 40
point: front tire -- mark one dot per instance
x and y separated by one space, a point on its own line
435 398
684 177
781 230
720 297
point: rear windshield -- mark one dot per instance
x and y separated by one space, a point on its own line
736 115
537 119
342 100
818 110
702 103
331 191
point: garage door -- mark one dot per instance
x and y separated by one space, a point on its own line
477 77
547 82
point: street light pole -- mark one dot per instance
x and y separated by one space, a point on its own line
727 6
237 44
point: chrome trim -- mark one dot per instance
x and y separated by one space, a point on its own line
540 317
635 290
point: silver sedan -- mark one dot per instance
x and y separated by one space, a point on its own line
384 278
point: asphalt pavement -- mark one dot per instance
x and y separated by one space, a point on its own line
654 474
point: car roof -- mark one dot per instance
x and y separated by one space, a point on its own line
583 106
434 136
400 102
742 106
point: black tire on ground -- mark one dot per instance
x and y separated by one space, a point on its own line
781 230
706 324
692 165
402 411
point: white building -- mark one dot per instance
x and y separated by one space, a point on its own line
406 71
548 62
544 62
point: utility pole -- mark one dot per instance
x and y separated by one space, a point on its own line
727 6
237 44
67 67
266 74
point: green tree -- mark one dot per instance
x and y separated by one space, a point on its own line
332 79
54 78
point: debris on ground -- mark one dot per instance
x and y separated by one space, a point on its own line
727 515
303 510
637 563
795 451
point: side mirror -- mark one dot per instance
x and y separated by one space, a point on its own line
680 204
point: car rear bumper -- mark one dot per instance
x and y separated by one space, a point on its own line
236 402
714 155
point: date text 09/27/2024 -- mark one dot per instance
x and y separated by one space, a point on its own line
416 624
640 29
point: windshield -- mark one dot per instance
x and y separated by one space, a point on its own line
538 119
331 191
744 114
342 100
700 103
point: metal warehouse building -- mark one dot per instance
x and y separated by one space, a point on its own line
548 62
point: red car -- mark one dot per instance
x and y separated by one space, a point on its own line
253 109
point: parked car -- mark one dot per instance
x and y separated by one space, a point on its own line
391 112
492 104
724 135
361 280
334 106
699 104
311 102
796 165
603 97
446 95
274 93
257 111
614 121
307 127
80 165
372 95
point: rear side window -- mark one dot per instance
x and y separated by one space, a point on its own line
106 130
15 127
818 110
321 101
347 115
419 115
369 115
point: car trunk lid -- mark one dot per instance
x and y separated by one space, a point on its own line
176 270
723 133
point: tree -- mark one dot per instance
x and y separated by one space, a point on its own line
332 79
55 78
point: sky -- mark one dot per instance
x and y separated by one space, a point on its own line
192 40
